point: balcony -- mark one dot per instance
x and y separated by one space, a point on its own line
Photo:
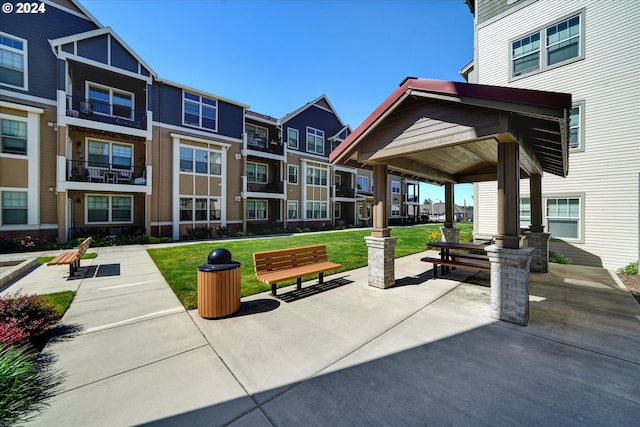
104 112
412 198
344 191
275 187
85 171
271 147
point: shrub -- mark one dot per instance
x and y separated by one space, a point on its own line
433 236
25 318
631 268
239 234
199 232
222 231
24 383
558 258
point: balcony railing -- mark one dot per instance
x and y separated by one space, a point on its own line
344 191
105 112
265 187
259 144
87 171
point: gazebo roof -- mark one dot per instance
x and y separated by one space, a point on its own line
442 131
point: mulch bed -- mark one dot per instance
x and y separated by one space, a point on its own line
632 282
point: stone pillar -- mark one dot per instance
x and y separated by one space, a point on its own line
381 261
450 234
539 242
510 283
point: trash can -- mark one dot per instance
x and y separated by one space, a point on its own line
218 285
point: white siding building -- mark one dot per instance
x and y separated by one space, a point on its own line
582 47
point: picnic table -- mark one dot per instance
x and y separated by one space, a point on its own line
474 256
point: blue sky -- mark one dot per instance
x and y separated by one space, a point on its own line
277 55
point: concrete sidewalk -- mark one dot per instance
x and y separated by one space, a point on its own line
423 352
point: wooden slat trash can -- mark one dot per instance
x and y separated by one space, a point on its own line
218 285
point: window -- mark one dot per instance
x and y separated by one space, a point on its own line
14 207
108 101
200 111
256 209
525 212
575 128
186 209
317 210
560 42
186 159
199 209
14 137
102 153
256 172
205 161
257 135
316 176
293 174
563 41
395 209
362 183
292 138
563 217
337 179
292 209
13 61
337 210
315 141
395 187
102 209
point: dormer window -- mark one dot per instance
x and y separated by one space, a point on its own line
200 111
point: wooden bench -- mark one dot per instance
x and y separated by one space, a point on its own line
477 265
272 267
72 257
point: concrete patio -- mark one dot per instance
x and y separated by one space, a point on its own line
424 352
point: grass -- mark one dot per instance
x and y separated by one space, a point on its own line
179 264
24 383
46 259
60 300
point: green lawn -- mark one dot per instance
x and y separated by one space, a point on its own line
179 264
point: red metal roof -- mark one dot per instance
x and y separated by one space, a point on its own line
553 100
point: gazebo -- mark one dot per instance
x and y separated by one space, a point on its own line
444 133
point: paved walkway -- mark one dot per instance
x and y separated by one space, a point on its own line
422 353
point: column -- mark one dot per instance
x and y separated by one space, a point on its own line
381 247
536 238
449 232
508 196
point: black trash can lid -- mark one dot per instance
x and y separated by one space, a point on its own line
219 259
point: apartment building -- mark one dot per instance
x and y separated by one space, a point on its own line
580 47
95 142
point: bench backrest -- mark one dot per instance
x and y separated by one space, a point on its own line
287 258
84 245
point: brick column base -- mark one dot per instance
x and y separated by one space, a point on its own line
510 283
540 244
450 234
381 261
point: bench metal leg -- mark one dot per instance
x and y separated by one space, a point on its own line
273 289
435 271
299 283
321 278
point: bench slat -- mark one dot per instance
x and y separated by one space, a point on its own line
275 266
293 273
72 258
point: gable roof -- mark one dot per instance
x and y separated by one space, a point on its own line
56 43
322 101
446 131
